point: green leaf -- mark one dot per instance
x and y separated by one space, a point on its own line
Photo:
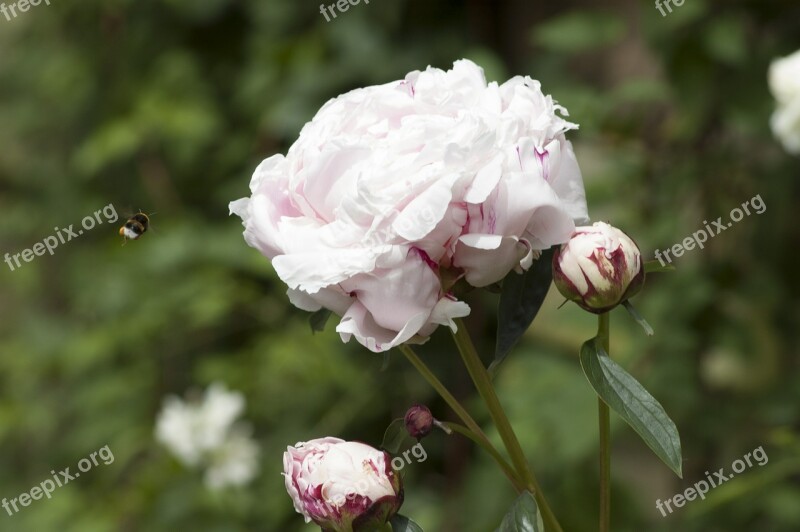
520 301
654 266
648 330
523 516
318 320
404 524
625 396
396 438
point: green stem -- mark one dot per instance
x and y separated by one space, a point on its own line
460 412
507 469
486 390
604 333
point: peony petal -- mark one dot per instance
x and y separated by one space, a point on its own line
394 296
425 211
446 310
490 260
485 181
359 323
332 298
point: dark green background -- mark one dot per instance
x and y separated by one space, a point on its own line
169 106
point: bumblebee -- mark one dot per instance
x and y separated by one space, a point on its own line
135 227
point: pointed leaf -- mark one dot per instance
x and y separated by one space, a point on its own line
318 319
404 524
396 438
520 301
625 396
523 516
648 330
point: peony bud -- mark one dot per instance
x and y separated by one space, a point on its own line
342 486
598 268
419 421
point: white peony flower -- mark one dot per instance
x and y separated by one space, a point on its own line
204 433
390 185
784 81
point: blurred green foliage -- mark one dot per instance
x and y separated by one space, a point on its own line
169 106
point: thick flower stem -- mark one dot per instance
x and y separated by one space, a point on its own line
603 332
480 376
479 436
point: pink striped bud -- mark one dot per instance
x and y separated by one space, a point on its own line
598 268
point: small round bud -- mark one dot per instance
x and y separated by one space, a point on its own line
419 421
598 268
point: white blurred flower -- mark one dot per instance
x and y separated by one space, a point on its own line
234 463
784 81
204 433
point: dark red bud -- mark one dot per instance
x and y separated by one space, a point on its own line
419 421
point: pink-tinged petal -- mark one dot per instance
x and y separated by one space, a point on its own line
262 213
332 298
566 179
312 272
424 212
527 261
395 296
446 310
549 225
319 255
332 176
487 259
508 209
485 181
440 243
359 322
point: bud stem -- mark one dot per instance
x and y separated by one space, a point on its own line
447 430
604 333
461 412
